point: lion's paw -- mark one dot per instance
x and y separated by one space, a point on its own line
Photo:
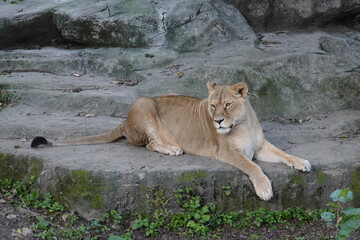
173 151
263 188
303 165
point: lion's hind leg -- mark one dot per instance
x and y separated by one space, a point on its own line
164 149
146 128
269 153
156 143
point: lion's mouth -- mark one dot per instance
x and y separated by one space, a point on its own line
222 127
224 130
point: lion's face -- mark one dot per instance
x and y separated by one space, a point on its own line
227 105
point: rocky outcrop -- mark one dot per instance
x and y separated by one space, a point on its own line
172 46
89 60
193 25
108 23
266 15
185 26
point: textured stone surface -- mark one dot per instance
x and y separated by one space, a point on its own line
265 15
290 75
195 24
155 47
94 179
185 26
107 23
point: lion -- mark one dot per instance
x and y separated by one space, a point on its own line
222 126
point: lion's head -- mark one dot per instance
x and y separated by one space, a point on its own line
227 105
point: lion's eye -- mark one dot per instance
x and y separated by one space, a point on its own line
212 106
227 105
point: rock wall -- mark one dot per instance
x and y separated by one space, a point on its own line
179 46
275 15
76 67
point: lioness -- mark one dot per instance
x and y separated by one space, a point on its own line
223 126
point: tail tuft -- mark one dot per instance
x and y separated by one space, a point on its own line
39 141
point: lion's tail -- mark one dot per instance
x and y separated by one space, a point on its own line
107 137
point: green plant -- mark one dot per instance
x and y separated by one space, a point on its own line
14 2
151 228
113 216
193 218
126 236
44 229
149 55
226 190
347 219
6 97
255 237
264 216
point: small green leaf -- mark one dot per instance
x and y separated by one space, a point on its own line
348 227
328 216
43 225
180 74
351 211
343 195
149 55
114 237
347 194
206 217
335 195
333 205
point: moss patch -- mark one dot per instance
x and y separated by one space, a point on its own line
321 177
194 175
249 199
83 189
293 194
271 95
19 167
355 185
298 180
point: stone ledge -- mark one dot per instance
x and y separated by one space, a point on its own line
95 178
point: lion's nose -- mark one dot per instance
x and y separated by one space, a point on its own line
219 121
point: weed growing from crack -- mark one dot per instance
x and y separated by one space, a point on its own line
6 97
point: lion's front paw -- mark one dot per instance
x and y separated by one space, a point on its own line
303 165
263 188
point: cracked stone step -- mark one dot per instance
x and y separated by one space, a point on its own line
31 122
93 103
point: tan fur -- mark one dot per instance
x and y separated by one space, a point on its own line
223 126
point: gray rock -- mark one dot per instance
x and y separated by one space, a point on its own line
276 15
184 26
342 48
93 179
289 75
108 23
179 47
32 30
11 216
193 25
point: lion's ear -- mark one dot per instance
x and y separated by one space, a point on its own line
211 86
240 89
